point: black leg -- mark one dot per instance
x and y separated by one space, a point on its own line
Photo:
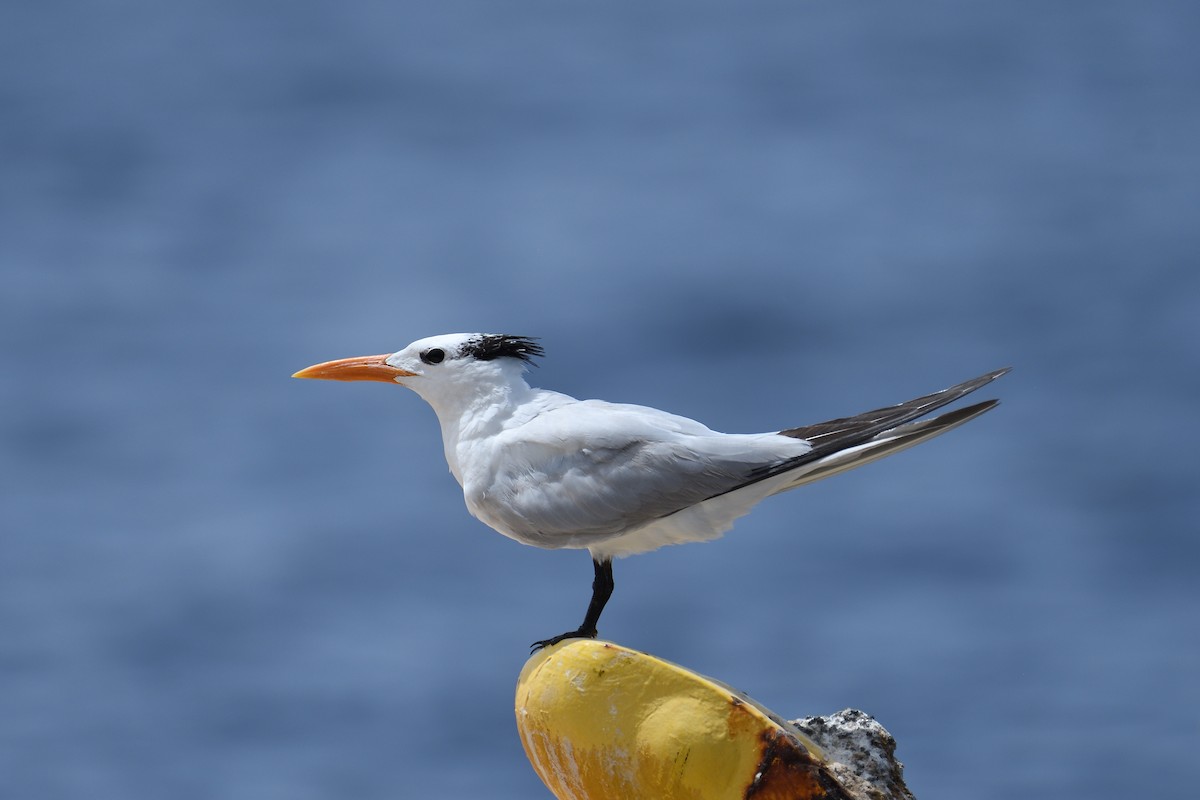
602 588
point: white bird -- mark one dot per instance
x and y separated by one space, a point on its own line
552 471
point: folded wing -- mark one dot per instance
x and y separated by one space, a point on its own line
601 472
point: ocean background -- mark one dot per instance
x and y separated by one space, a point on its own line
219 582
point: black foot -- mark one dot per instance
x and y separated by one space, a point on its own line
602 586
579 634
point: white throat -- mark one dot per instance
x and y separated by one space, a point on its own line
475 405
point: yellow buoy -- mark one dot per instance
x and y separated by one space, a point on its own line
603 722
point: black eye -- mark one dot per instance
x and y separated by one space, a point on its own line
433 355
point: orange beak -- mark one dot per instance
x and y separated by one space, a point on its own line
363 368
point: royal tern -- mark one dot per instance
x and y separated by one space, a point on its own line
552 471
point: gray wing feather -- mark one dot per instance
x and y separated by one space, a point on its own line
890 441
837 434
894 424
607 490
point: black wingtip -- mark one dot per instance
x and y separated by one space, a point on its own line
966 387
950 419
836 434
991 376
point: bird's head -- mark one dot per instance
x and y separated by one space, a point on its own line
439 368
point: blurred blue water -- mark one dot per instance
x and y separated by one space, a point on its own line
216 582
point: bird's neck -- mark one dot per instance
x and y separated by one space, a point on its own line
477 411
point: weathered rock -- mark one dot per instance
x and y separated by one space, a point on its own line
860 753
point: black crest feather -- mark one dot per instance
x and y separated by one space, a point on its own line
501 345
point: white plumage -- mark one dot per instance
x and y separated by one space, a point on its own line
552 471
